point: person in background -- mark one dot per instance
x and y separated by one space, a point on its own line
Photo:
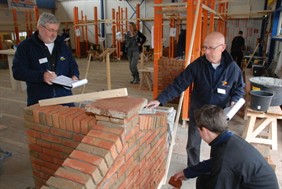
134 41
237 47
40 58
216 79
233 162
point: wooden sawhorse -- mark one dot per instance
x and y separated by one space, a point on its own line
261 127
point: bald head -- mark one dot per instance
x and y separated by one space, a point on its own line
216 37
214 45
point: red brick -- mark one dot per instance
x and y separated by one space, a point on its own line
33 133
62 183
62 117
36 114
61 148
132 133
31 140
43 143
98 142
45 157
58 161
47 170
37 161
131 150
97 151
86 168
103 135
49 115
60 132
122 107
47 109
34 147
77 122
50 138
118 163
78 137
75 176
122 169
69 119
70 143
118 130
35 166
51 166
92 159
85 124
52 153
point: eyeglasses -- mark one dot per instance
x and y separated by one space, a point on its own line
50 30
211 48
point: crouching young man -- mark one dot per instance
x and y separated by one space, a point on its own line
233 162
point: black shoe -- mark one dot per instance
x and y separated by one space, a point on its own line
136 80
132 80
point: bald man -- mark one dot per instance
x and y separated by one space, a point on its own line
217 80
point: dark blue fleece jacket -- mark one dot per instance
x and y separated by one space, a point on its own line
211 86
32 59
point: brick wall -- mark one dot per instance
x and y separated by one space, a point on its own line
112 146
169 69
53 133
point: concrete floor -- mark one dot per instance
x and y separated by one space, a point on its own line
17 172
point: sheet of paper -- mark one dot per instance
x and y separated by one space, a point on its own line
68 82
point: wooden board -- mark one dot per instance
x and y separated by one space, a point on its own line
85 97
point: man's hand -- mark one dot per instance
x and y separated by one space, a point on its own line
179 176
74 78
153 104
49 77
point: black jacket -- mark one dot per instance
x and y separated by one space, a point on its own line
140 38
234 164
207 81
27 67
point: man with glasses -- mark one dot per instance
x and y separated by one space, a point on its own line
40 58
216 79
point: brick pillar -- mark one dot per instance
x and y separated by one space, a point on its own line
53 132
121 150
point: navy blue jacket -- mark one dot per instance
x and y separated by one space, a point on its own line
209 84
234 164
27 67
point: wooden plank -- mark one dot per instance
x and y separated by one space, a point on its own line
84 97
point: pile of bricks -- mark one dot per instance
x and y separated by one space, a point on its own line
112 146
169 69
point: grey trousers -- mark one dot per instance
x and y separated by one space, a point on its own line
193 143
133 56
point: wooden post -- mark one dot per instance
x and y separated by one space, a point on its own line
96 26
211 25
114 27
77 38
16 26
109 82
86 33
158 34
82 27
138 16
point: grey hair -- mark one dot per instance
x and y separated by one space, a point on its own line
46 17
